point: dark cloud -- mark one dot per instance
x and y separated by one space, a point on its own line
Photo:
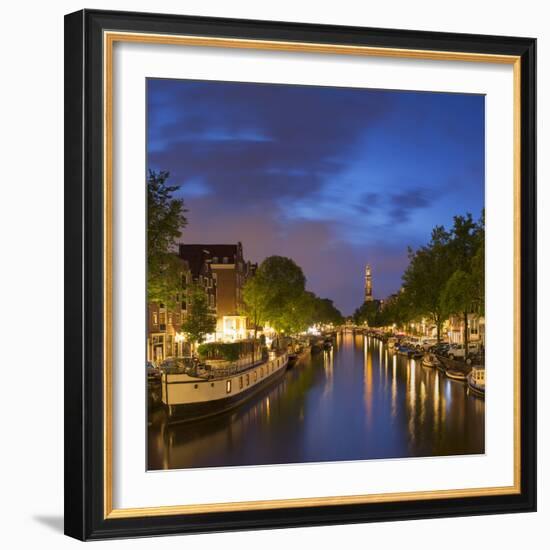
368 202
250 141
404 204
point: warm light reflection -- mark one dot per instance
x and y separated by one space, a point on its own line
394 387
448 393
386 370
411 398
437 403
328 366
328 362
368 384
422 402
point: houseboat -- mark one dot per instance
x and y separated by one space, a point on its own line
430 360
197 394
392 342
456 374
454 369
476 381
300 353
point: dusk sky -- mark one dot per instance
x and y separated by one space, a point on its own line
334 178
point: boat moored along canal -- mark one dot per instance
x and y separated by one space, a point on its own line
476 381
430 360
193 397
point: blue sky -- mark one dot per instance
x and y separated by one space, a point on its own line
332 177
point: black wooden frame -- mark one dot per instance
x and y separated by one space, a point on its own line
84 517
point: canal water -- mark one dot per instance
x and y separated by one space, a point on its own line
358 401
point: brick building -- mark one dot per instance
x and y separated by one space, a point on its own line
164 338
230 272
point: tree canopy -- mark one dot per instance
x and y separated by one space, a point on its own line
199 321
165 221
276 295
444 277
369 313
426 276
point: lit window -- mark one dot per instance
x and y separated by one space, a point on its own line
228 386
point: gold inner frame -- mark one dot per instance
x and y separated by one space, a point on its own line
109 39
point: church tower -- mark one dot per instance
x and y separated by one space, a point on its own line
368 284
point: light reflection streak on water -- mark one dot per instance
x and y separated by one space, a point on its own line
437 401
448 393
422 401
328 365
411 386
394 387
386 370
368 385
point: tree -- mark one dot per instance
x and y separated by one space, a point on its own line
326 313
297 314
199 322
468 237
280 284
276 295
397 310
426 276
465 289
166 284
165 221
458 297
255 302
369 313
478 273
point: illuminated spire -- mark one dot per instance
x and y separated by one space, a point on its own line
368 284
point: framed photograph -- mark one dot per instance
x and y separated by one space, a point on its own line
300 274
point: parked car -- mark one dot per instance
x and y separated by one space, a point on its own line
427 343
414 342
403 349
440 349
458 351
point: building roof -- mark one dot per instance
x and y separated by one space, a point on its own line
197 254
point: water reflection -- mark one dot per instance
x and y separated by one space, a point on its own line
359 400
